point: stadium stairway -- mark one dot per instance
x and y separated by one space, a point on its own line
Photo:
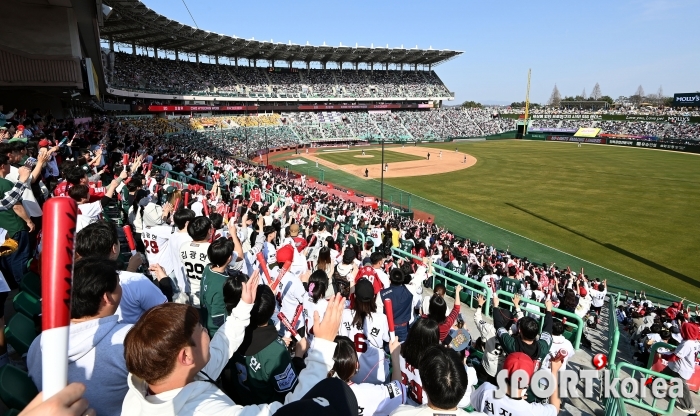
582 360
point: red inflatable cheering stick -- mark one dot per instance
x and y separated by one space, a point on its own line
130 239
60 215
389 312
281 274
263 264
289 327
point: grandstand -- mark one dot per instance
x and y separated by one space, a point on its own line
248 70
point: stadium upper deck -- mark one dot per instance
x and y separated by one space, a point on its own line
132 23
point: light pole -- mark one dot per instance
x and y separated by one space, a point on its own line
381 192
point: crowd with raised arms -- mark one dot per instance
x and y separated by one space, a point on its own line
257 295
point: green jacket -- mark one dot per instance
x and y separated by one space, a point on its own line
212 299
264 367
9 220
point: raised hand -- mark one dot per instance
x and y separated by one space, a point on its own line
250 288
328 327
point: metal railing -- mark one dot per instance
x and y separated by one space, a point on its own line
572 319
616 406
359 234
472 287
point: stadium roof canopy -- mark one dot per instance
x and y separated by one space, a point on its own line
132 22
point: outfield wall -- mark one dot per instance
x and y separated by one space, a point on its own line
615 141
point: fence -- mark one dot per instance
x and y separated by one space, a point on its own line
473 287
616 406
572 320
359 234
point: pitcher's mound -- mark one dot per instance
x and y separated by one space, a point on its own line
363 156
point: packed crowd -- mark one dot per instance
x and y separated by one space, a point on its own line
137 72
257 296
633 110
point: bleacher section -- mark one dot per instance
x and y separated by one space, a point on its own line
167 76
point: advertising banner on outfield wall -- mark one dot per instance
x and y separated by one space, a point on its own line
687 99
692 148
593 140
610 117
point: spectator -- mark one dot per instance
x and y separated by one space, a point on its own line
18 225
402 302
372 399
96 340
139 294
438 308
220 254
176 367
181 284
445 382
484 400
265 369
369 331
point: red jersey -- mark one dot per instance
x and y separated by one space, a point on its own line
95 193
299 243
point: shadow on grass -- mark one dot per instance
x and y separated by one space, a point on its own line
628 254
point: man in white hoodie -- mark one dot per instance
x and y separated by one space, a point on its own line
96 340
173 363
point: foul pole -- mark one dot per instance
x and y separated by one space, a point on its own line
527 100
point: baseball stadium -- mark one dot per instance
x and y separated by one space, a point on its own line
154 173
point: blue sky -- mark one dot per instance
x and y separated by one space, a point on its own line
619 44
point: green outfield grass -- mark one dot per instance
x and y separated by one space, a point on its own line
633 211
349 157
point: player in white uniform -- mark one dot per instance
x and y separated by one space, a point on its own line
369 339
372 399
194 255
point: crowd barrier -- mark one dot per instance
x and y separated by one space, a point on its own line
572 320
472 287
617 406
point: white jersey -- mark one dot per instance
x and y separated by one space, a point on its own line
178 273
378 399
309 308
369 345
194 257
290 294
483 401
157 242
410 377
558 343
598 297
376 235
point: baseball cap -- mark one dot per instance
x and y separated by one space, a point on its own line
294 230
582 291
519 361
285 254
170 190
43 143
461 339
364 290
18 139
330 396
